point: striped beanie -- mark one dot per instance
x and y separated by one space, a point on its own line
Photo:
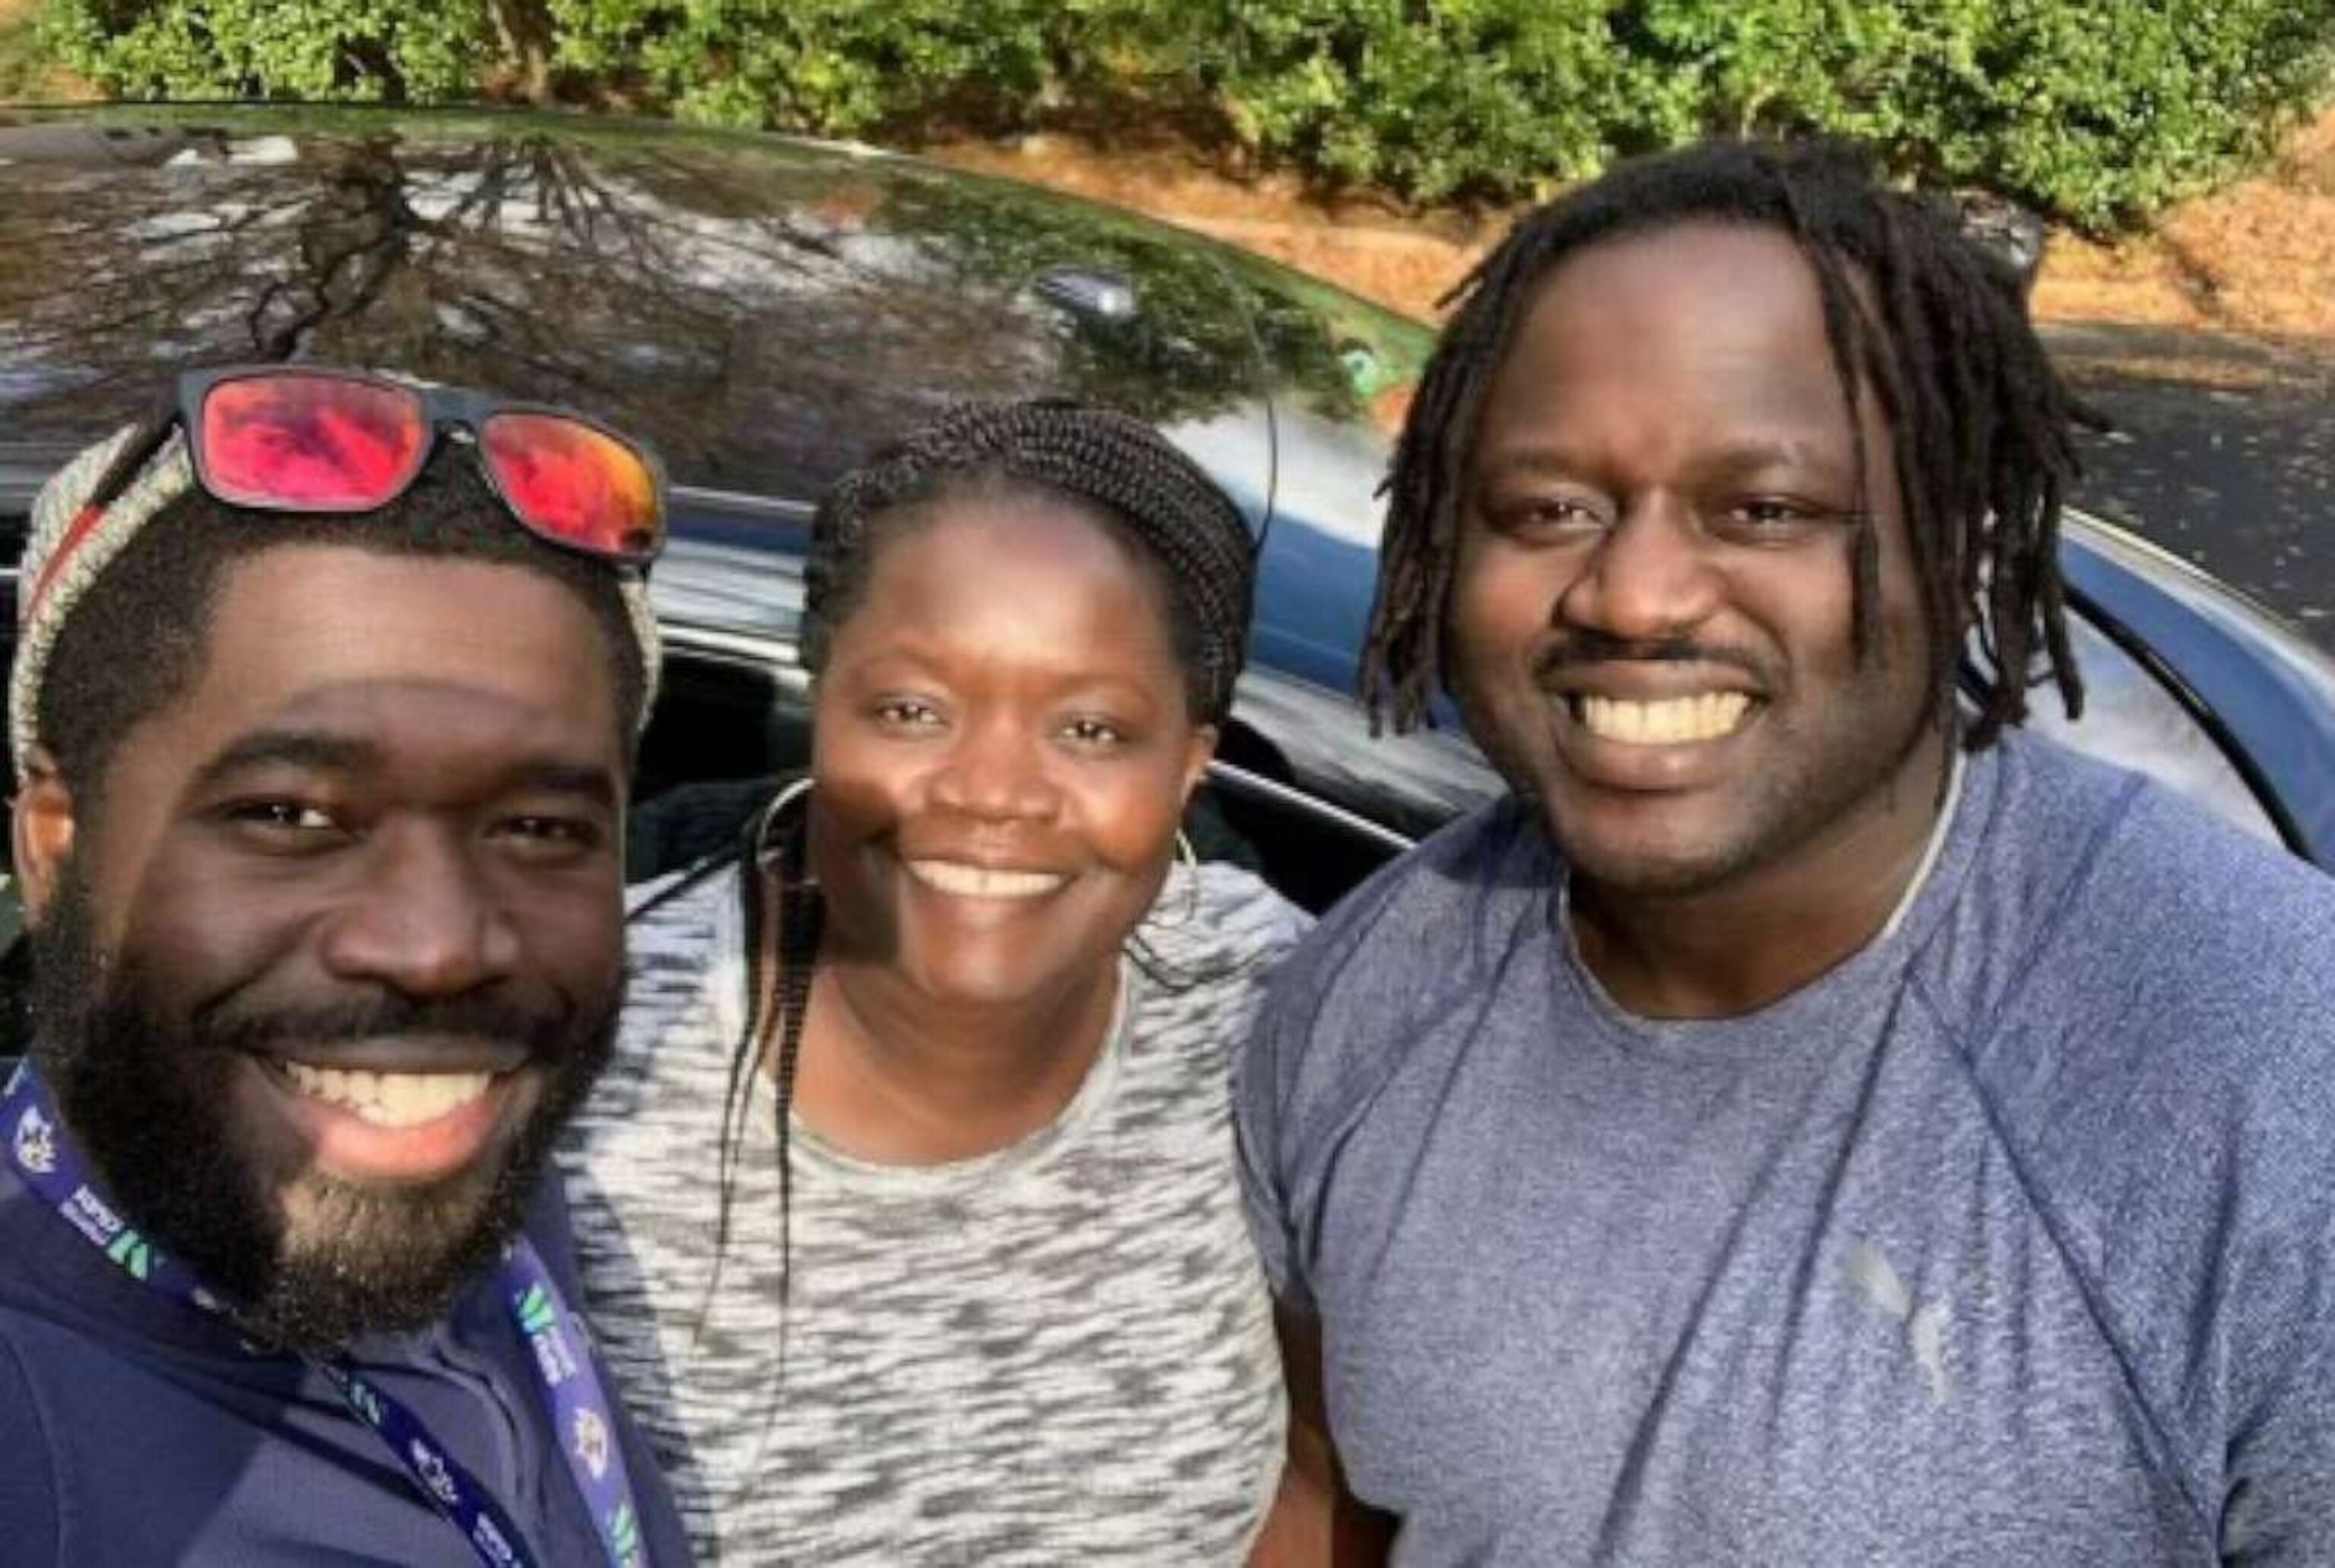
72 544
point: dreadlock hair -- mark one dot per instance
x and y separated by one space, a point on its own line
1981 425
137 642
1159 504
1155 500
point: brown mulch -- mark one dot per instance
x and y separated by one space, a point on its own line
2256 258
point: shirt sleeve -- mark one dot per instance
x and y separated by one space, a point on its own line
1258 1125
28 1469
2279 1505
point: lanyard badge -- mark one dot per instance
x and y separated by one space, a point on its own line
582 1417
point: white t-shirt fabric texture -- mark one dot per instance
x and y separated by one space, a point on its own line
1061 1351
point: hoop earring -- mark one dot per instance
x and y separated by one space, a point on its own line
764 851
1190 859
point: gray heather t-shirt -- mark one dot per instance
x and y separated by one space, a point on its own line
1061 1352
2010 1240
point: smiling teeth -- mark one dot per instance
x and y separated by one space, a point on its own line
389 1098
1674 720
983 881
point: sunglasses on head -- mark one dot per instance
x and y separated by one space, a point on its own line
306 438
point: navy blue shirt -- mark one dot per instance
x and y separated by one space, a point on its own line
135 1429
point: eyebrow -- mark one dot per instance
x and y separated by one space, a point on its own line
908 656
1739 457
595 785
1735 458
321 751
315 750
1535 459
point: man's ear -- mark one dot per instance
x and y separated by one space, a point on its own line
43 832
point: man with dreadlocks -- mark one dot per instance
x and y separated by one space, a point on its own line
1811 1120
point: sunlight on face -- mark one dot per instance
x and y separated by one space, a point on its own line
1003 750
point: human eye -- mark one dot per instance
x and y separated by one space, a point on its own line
1776 519
1091 732
550 835
283 823
1549 516
906 713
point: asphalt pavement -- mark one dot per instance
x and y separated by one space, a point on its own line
2222 451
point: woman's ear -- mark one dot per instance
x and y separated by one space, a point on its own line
41 832
1202 747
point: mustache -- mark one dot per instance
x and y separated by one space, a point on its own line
1581 646
543 1033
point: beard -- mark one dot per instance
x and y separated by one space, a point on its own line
140 1086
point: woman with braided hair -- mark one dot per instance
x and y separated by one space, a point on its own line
909 1211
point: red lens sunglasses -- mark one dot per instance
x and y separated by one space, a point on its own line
309 438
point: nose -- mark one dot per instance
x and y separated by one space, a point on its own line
996 771
423 920
1648 577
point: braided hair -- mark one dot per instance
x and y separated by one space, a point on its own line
1981 425
1157 501
1151 496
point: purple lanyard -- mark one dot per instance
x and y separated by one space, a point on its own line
583 1418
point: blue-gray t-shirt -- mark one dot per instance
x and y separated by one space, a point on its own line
2011 1239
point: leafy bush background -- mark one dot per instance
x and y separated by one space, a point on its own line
2100 111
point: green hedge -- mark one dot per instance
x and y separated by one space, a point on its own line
420 49
2101 111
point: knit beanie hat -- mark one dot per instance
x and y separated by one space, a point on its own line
72 543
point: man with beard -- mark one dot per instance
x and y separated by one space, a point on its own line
1811 1120
323 714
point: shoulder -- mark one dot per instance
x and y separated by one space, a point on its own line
1206 951
1221 918
2099 891
2145 999
550 1229
679 902
30 1482
1412 953
678 930
1429 920
683 1019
